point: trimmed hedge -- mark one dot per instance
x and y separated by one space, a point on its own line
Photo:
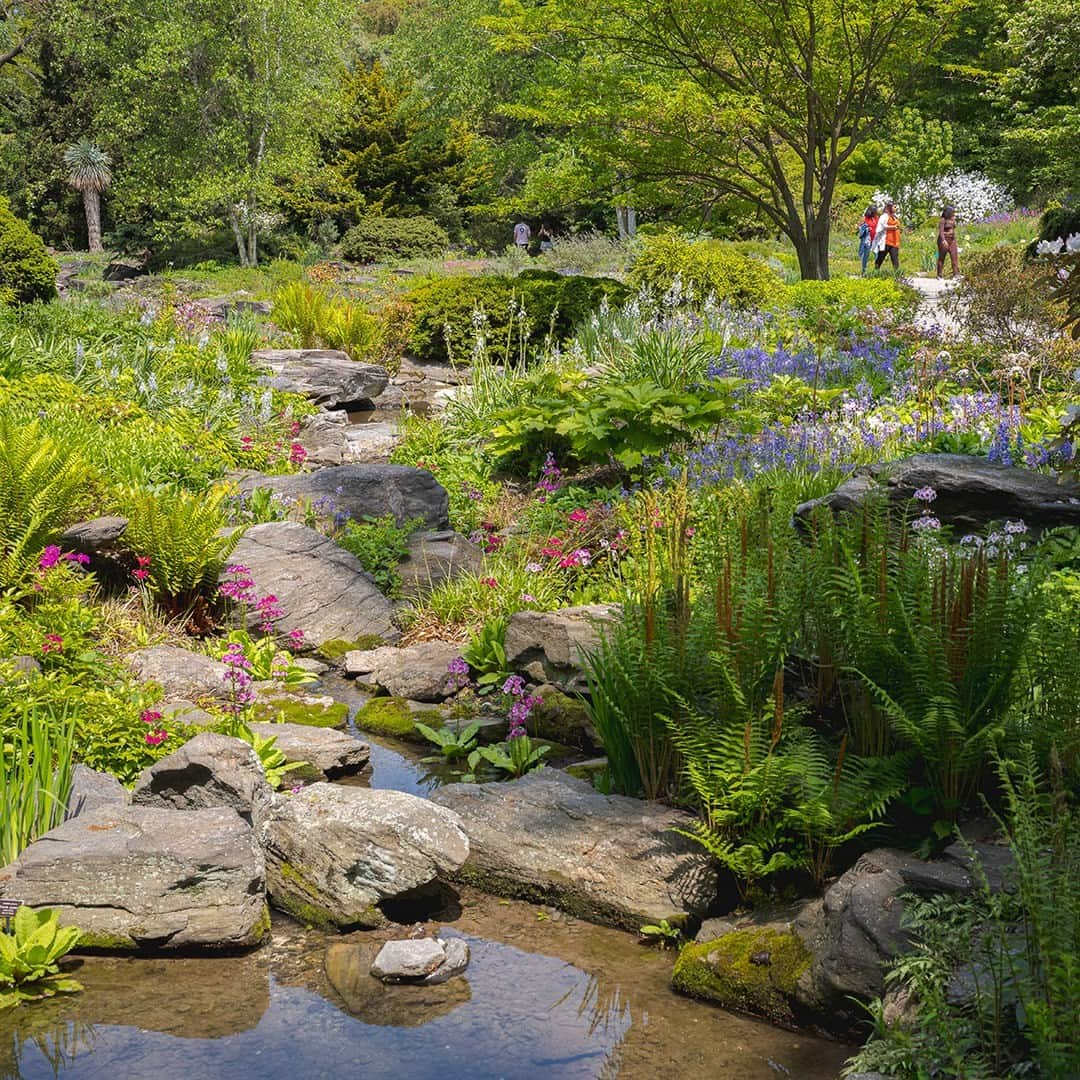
705 268
384 239
553 304
27 271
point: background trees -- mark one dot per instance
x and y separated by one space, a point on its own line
90 173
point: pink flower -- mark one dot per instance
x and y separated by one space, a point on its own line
149 716
490 582
52 643
297 454
77 557
156 737
579 516
49 557
296 638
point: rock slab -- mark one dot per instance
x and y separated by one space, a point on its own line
321 588
610 859
418 672
429 961
207 771
92 790
141 877
971 492
323 376
181 673
549 646
326 752
435 558
333 853
406 493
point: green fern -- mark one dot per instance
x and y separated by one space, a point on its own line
184 537
43 487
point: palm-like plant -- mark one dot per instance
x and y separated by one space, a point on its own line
89 171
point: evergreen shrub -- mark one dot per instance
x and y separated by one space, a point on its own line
381 239
27 271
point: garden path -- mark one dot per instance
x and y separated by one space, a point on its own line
932 309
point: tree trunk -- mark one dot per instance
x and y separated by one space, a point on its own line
626 219
812 248
241 241
92 206
253 232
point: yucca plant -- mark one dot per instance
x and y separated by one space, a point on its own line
89 172
183 538
35 777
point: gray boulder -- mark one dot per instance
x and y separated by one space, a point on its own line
418 672
209 770
429 961
548 646
971 492
333 853
142 877
365 491
181 673
91 790
326 753
221 307
435 558
371 442
99 537
551 838
322 589
324 376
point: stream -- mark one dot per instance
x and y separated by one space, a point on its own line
545 996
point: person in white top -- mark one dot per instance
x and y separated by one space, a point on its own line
522 235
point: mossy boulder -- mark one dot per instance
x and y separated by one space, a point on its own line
336 649
396 717
753 970
312 710
563 719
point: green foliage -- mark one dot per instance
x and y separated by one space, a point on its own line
454 743
320 319
43 486
268 660
385 239
669 936
1016 950
30 955
486 655
27 271
515 757
596 423
380 544
274 763
823 305
185 538
36 757
518 313
702 269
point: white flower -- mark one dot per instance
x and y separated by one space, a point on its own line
1049 247
1072 244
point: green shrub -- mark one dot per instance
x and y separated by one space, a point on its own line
383 239
380 544
820 299
705 268
319 319
1061 221
27 271
519 312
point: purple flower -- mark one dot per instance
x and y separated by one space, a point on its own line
49 557
515 686
458 666
925 494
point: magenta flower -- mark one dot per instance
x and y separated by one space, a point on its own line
52 643
156 737
149 716
579 516
49 557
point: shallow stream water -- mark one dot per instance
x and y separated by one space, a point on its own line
545 996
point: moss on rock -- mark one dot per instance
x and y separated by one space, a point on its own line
295 710
753 970
561 718
337 648
392 716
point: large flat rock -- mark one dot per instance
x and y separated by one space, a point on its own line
334 853
321 588
418 672
607 858
971 492
323 376
181 673
142 877
325 752
406 493
549 646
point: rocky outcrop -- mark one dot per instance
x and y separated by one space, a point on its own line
101 539
92 790
816 960
435 558
142 877
548 646
181 673
330 439
418 672
207 771
334 853
406 493
326 753
321 588
323 376
554 839
971 492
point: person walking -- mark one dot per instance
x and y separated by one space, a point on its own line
867 228
522 235
887 237
546 241
946 241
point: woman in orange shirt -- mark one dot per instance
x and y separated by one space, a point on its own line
888 229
